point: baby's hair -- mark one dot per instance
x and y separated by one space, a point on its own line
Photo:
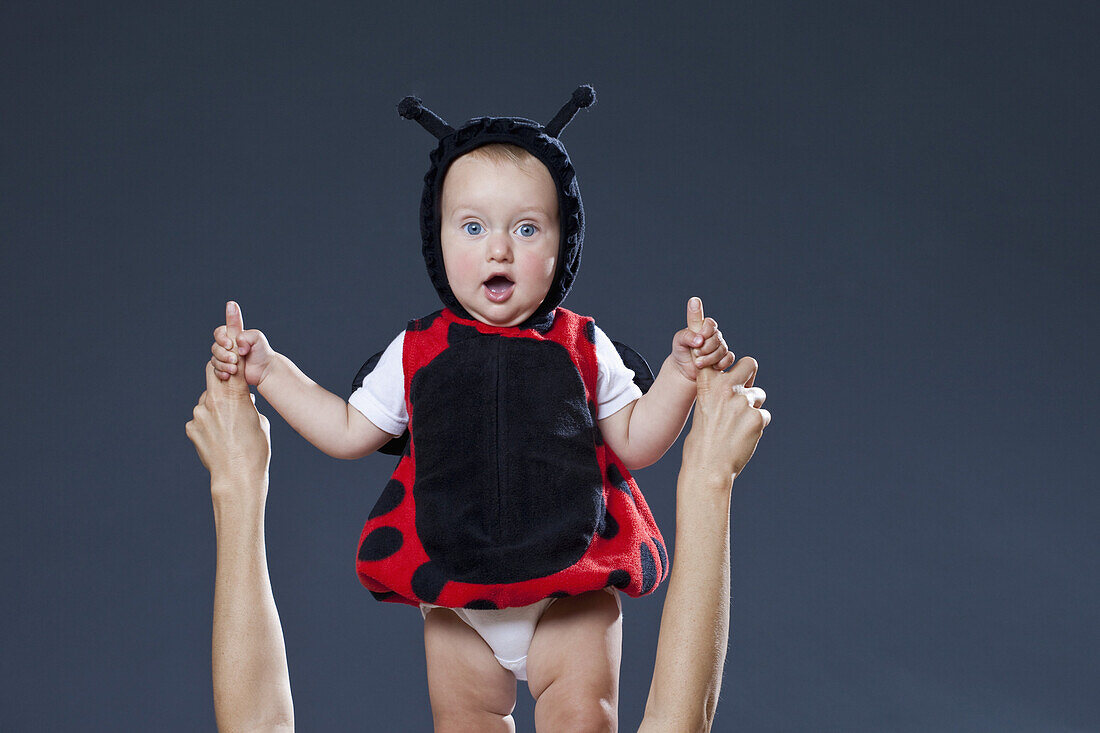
504 153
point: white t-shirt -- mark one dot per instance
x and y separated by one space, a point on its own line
381 399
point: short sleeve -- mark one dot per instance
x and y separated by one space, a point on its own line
615 388
381 398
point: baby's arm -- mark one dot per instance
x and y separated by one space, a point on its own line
321 417
641 432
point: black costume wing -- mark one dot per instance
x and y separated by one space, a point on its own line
643 375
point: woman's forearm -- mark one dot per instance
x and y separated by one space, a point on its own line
251 679
691 649
318 415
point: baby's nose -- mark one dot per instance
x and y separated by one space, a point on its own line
500 247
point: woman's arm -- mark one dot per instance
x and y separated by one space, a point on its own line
251 679
691 648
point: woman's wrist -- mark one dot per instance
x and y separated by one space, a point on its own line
239 496
702 477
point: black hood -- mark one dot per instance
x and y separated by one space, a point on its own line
543 143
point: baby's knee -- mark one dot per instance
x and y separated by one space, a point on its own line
579 713
592 716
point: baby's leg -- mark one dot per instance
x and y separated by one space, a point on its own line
469 690
573 665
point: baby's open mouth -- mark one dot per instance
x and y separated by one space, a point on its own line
498 288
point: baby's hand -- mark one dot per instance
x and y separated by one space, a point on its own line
700 345
253 352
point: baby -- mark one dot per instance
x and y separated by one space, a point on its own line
511 520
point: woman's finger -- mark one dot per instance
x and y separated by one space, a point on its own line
744 371
754 395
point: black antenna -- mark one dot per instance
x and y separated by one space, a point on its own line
411 108
583 96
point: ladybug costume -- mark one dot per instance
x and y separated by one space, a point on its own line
505 492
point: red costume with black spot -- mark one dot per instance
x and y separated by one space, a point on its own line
506 494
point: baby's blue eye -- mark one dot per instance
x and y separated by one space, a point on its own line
527 230
472 228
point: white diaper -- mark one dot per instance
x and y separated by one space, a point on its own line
508 631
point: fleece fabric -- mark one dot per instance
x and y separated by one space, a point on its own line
505 493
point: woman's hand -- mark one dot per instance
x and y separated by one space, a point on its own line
232 438
729 419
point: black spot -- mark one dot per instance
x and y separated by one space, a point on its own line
422 324
382 596
558 594
590 331
597 436
618 578
459 332
481 604
380 544
428 582
390 499
649 568
616 478
607 526
664 556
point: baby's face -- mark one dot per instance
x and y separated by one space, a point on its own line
500 237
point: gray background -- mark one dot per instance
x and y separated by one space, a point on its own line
893 207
